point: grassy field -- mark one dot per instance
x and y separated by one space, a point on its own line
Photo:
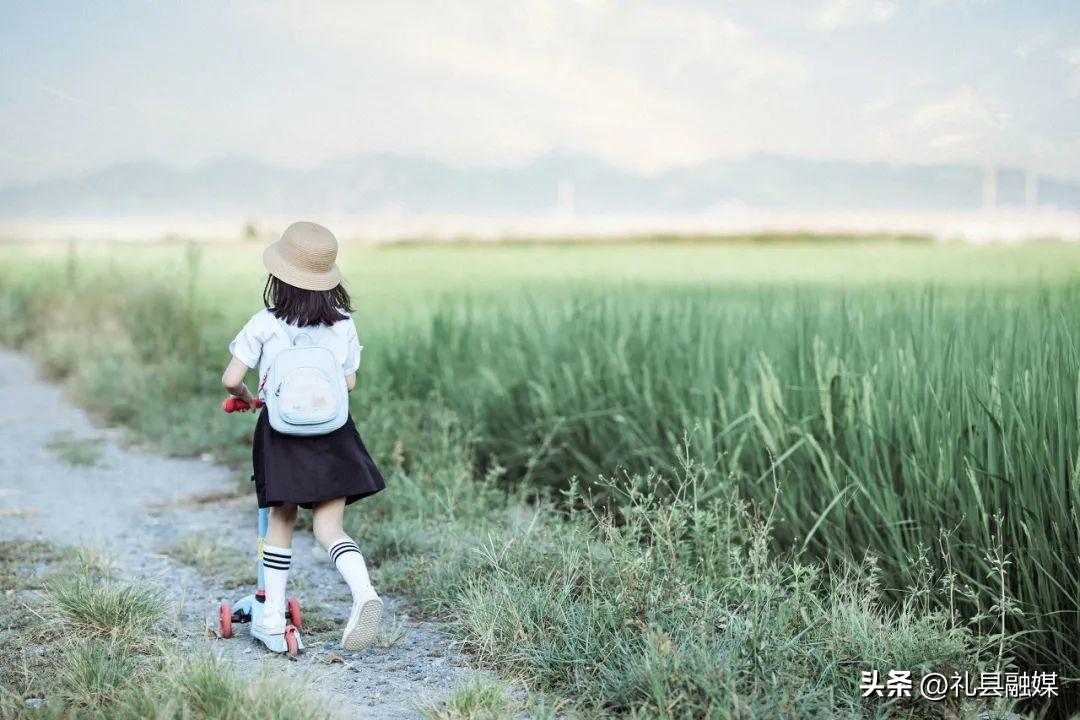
80 644
661 479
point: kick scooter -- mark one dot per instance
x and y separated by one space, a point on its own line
249 608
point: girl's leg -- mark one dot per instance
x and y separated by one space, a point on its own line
280 529
277 558
326 518
343 551
345 554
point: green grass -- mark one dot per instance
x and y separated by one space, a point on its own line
476 700
84 607
679 610
80 645
106 679
96 676
213 559
76 451
389 638
911 401
23 562
317 621
892 421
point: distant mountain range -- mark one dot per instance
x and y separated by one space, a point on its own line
555 184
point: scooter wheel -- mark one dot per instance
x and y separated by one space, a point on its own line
225 619
292 609
290 641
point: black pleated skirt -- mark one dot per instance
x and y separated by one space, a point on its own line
314 469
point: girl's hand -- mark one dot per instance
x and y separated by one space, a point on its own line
247 398
233 381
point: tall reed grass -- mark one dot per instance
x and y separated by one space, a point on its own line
925 424
933 427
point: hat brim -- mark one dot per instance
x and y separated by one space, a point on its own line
303 279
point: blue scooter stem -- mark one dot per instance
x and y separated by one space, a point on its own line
248 609
264 522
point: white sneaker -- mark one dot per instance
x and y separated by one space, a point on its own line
363 621
270 621
269 629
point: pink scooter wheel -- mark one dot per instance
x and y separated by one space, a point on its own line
225 619
292 609
290 641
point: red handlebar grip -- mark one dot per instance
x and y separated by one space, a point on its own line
233 404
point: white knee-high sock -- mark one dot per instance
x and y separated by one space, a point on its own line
350 563
276 562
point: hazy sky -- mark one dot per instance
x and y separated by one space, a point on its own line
644 85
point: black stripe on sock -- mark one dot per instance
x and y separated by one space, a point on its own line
267 553
275 565
344 551
343 547
347 543
343 543
338 553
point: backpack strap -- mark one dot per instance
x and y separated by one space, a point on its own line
288 337
281 326
292 338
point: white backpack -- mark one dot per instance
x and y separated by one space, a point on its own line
305 391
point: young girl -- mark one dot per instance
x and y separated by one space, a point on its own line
322 472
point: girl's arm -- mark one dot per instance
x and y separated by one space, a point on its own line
233 380
350 381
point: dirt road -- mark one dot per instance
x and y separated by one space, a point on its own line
68 482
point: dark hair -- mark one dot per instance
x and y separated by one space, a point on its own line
305 307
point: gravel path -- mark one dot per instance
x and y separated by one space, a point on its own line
131 505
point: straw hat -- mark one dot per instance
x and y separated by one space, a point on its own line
304 257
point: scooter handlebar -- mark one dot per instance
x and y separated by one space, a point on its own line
234 404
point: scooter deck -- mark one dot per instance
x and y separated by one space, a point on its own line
248 610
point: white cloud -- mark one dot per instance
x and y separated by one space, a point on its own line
947 140
640 84
881 104
964 108
961 125
835 14
1031 45
1071 57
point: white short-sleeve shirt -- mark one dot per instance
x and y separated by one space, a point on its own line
262 338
